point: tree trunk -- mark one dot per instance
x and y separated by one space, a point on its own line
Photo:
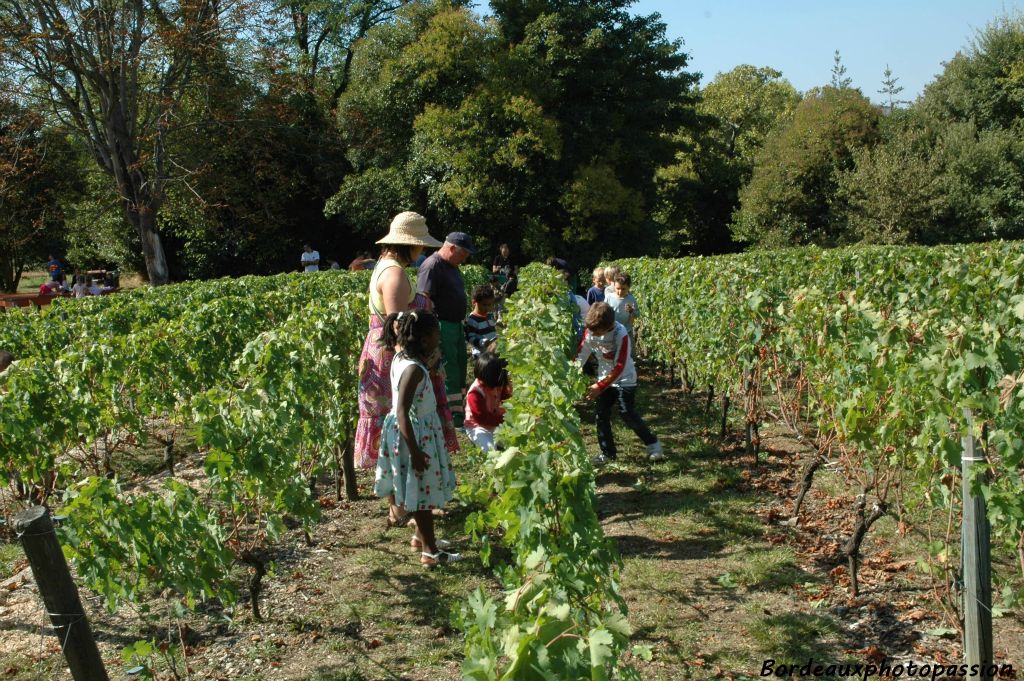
753 438
11 268
144 221
259 567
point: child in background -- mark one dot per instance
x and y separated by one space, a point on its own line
616 384
580 303
481 330
622 302
596 292
610 273
484 412
413 463
80 289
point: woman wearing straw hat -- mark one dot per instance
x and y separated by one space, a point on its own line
391 291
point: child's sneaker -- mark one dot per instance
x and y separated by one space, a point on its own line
654 452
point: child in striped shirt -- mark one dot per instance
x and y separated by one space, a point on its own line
481 331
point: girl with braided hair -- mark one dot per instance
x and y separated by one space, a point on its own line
413 464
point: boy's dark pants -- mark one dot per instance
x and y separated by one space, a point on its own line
624 399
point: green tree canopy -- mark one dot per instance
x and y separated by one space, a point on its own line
792 197
747 103
985 81
699 191
549 120
951 168
38 171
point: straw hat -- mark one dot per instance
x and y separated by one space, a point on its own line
411 229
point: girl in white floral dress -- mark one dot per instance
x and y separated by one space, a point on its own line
413 462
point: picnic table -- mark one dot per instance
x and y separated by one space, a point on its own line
8 300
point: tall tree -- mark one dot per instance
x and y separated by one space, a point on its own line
114 71
37 171
890 90
839 78
323 36
699 191
549 122
984 82
792 197
617 88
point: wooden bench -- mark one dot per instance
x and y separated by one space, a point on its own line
8 300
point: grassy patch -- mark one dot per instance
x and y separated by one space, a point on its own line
10 554
771 569
793 637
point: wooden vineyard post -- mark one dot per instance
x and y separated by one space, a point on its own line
725 413
348 463
60 596
976 563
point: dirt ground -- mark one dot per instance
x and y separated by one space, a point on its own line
716 580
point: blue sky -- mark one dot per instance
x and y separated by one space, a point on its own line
798 37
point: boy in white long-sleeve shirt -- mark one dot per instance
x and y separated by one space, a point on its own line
616 384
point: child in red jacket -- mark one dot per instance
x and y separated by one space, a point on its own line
484 412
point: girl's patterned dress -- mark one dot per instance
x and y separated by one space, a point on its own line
435 486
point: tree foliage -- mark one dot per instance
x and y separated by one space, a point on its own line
223 135
699 191
37 170
550 120
793 195
951 168
985 81
113 72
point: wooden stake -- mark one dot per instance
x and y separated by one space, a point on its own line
38 539
976 561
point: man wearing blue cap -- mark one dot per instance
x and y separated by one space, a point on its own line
440 280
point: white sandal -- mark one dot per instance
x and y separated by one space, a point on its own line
439 558
416 544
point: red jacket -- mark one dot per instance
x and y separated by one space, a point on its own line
483 405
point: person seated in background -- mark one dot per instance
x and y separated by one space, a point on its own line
80 289
363 261
333 264
94 290
481 329
51 287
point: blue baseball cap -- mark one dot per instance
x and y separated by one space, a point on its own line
462 240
